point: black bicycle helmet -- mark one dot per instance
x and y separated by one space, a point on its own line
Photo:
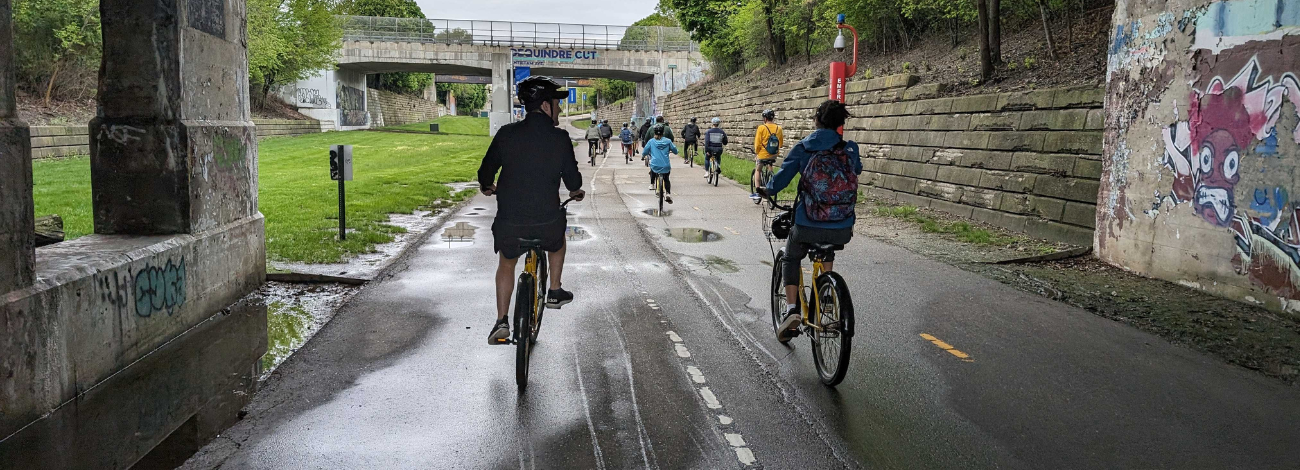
692 119
769 114
659 129
538 88
781 225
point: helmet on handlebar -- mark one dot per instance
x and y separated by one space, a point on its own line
781 225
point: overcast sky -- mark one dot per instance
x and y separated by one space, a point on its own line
612 12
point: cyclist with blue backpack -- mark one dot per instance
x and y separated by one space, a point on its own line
768 139
828 194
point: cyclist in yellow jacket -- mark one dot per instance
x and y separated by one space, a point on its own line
768 140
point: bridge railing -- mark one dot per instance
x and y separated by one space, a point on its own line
517 34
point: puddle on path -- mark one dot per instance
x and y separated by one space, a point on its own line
575 233
692 235
459 234
294 313
472 213
480 208
658 213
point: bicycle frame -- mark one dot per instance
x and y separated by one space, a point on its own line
814 323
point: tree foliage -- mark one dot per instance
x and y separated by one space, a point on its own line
470 98
288 40
609 90
407 83
57 45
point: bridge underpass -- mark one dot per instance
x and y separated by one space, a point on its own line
658 59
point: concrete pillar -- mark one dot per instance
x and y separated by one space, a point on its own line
173 149
17 232
645 95
502 75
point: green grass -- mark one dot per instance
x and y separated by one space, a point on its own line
395 173
962 231
741 170
582 123
466 125
62 186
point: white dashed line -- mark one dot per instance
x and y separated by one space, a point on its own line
681 350
736 440
745 455
724 419
696 375
710 400
673 336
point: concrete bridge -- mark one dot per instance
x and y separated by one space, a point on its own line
659 60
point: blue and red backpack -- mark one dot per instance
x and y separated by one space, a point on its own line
829 186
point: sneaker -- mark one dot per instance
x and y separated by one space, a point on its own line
790 326
668 198
652 187
556 298
500 332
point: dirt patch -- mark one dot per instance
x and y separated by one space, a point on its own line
275 108
34 112
1239 333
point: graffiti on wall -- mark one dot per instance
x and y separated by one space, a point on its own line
160 288
352 106
311 97
1229 120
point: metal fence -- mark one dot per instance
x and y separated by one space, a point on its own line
517 34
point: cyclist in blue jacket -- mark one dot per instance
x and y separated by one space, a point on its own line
658 149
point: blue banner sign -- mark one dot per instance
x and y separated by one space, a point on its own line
573 95
521 73
542 56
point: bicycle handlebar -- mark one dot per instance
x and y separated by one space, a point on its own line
771 200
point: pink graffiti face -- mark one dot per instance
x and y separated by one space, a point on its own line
1219 158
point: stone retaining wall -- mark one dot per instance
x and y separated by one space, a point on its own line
63 141
617 114
392 109
1027 161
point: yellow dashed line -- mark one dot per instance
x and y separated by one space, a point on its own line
947 347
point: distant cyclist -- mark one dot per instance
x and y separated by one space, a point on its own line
828 167
659 121
643 133
658 149
593 137
534 157
715 140
690 137
768 140
625 136
605 133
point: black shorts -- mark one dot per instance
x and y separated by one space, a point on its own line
505 236
692 143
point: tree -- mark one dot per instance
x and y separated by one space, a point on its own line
408 83
288 40
55 38
986 56
470 98
995 30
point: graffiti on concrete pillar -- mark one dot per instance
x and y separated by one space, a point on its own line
160 288
114 290
352 106
122 134
208 16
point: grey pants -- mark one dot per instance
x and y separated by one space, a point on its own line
796 247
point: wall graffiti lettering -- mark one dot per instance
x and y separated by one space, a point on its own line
122 134
311 96
114 290
160 288
352 106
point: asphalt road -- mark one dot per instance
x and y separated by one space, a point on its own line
666 359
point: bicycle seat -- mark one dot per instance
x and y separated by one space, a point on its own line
825 247
529 242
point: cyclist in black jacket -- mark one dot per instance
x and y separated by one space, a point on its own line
690 137
534 156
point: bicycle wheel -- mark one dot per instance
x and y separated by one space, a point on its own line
659 189
523 325
831 345
540 308
778 291
690 157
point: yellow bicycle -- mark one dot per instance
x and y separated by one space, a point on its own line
826 305
530 304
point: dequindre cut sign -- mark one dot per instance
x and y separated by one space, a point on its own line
543 56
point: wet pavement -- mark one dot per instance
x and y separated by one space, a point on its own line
666 359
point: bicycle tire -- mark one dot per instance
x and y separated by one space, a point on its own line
523 324
540 308
778 291
832 290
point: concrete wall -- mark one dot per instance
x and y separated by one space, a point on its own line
1027 161
1202 145
393 109
133 346
63 141
618 113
